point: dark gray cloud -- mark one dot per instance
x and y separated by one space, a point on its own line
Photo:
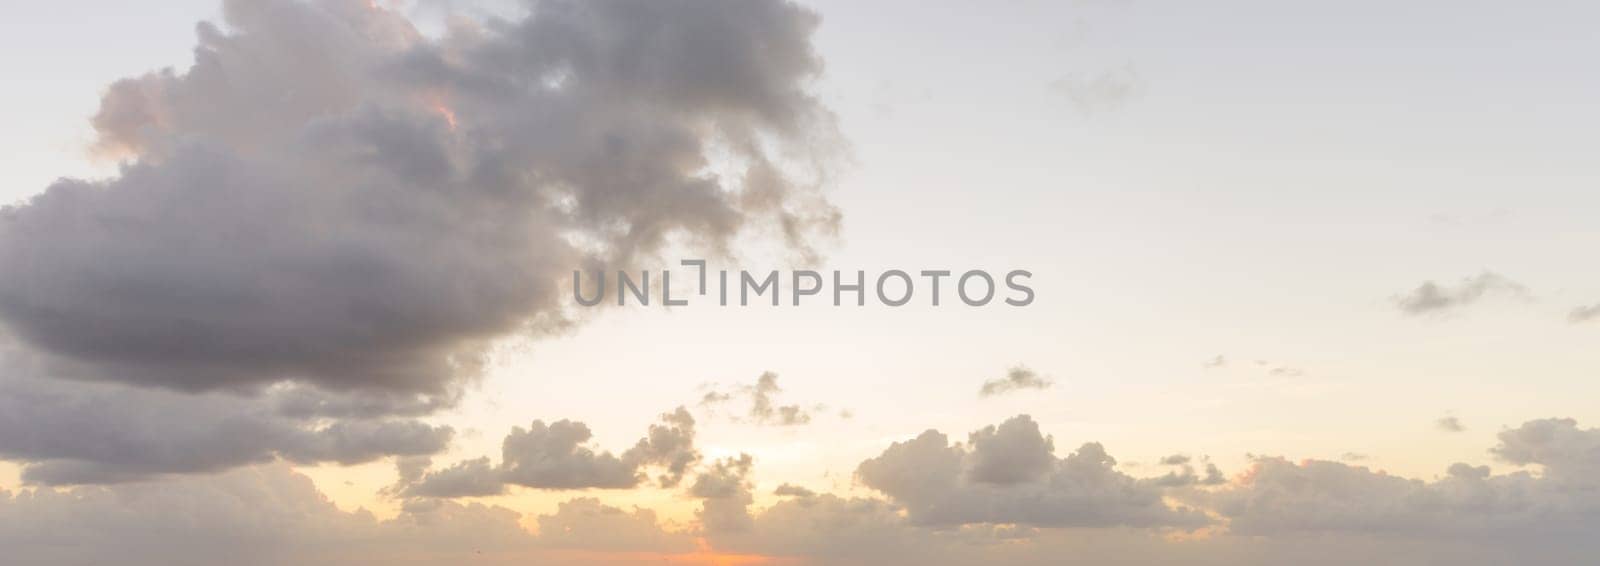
328 197
1016 379
558 456
321 224
73 432
1431 297
1010 474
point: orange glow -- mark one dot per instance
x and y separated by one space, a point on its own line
704 556
444 111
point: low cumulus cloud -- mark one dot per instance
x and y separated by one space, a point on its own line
558 456
1000 497
1010 474
1548 512
1434 298
1018 378
586 523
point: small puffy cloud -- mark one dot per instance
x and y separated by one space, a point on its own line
1218 361
1009 474
1018 378
1285 371
1433 298
1104 91
555 456
1566 452
1449 424
670 445
1584 314
763 408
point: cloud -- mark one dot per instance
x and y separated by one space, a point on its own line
558 456
669 444
1016 379
554 457
261 515
1105 91
328 197
1185 474
1217 361
74 432
1277 512
1449 424
763 409
1559 506
320 226
791 490
1584 314
585 523
1568 454
1009 474
468 478
724 491
1431 297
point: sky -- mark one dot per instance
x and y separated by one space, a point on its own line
1309 282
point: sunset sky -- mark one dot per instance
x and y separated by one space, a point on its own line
292 286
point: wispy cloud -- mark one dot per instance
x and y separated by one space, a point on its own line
1434 298
1018 378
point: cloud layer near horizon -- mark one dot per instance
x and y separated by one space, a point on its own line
974 509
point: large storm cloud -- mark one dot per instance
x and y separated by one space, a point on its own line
329 197
320 226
